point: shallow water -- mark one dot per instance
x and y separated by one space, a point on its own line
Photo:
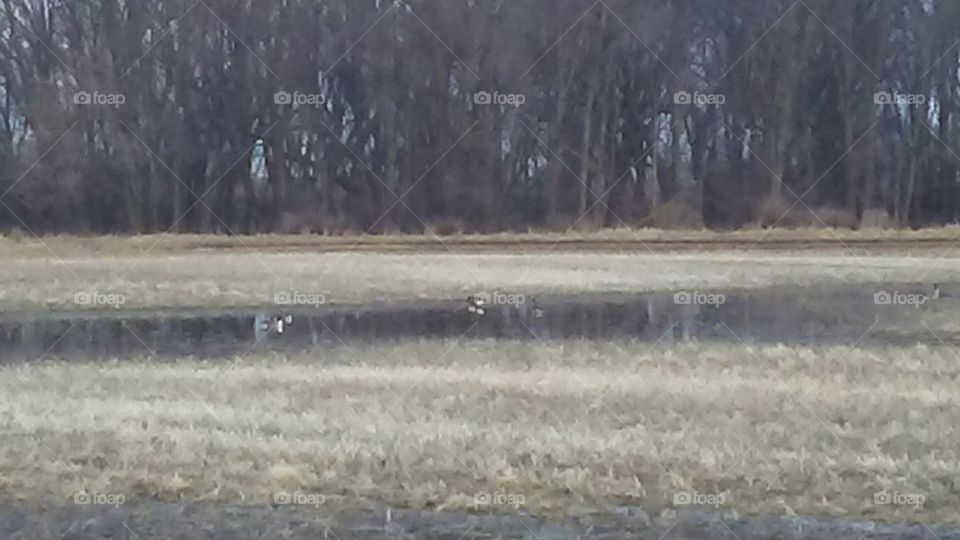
781 315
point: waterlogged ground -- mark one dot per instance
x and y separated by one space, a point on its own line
898 313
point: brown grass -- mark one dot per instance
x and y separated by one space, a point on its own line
607 239
562 425
170 271
218 279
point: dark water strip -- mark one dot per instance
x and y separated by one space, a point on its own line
836 315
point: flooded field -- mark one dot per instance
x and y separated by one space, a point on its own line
834 314
804 401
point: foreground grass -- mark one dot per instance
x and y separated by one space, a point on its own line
548 427
222 279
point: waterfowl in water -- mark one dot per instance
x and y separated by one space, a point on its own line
277 324
537 310
475 305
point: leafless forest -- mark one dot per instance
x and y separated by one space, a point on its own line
243 116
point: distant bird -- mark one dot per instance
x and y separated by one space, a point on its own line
537 310
277 324
936 292
475 304
529 309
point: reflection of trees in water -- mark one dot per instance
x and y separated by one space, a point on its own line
758 316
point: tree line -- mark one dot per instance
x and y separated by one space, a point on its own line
245 116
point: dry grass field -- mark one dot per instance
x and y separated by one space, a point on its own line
606 239
556 428
550 427
206 272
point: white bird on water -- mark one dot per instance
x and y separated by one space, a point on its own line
475 304
276 324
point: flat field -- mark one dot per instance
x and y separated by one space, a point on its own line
211 273
501 426
864 431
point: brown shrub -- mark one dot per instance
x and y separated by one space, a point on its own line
784 214
877 218
448 227
680 212
314 222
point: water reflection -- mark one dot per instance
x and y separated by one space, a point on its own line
758 316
